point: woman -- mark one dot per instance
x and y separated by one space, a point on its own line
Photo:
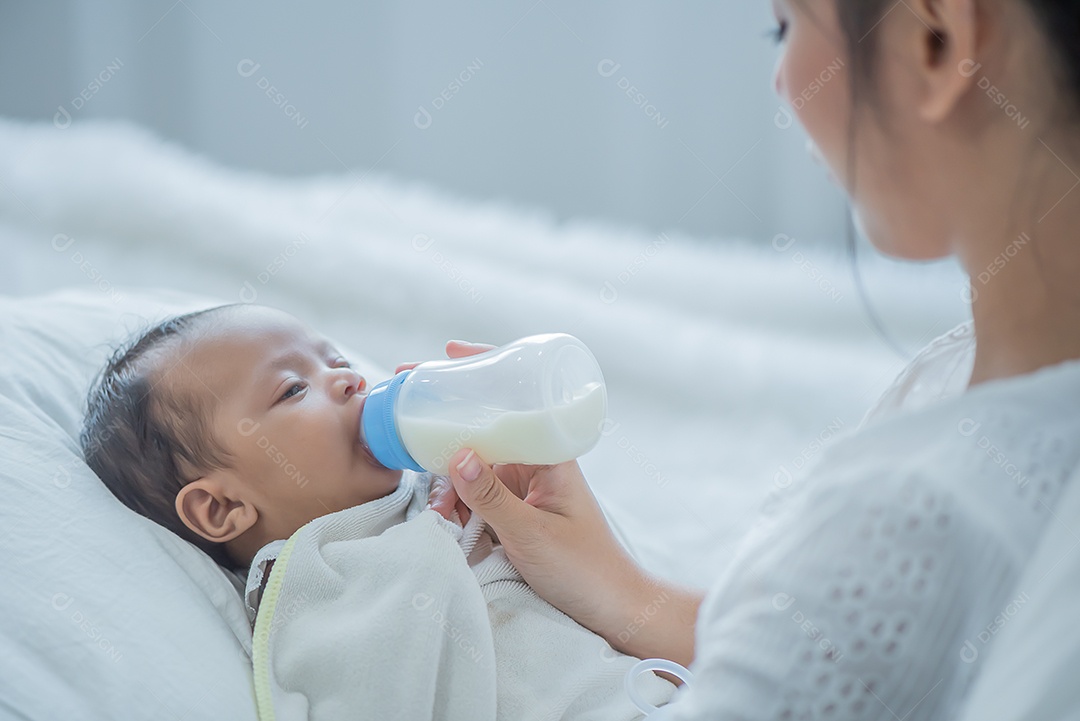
954 128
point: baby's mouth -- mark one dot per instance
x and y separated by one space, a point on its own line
364 450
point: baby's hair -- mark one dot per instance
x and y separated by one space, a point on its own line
146 440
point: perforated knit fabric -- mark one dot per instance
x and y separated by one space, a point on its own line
872 589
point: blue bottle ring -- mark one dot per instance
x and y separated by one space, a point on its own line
380 428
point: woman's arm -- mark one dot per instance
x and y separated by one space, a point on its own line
660 622
555 534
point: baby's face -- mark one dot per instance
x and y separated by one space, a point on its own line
286 409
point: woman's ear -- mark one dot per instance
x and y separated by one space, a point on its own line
209 510
945 37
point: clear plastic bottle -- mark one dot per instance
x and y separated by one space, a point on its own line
539 400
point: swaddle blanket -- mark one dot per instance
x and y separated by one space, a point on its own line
385 611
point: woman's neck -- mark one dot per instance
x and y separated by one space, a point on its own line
1023 257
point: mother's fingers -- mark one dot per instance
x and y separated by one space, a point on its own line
463 348
454 349
488 496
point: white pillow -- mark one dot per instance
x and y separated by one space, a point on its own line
103 614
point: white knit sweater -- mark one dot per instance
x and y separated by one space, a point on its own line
873 589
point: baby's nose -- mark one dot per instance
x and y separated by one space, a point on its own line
354 383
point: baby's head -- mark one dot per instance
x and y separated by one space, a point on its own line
232 427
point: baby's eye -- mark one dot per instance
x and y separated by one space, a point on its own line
341 363
293 390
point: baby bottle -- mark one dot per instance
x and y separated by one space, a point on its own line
539 400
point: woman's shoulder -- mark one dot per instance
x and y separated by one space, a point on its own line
1001 453
1019 428
898 546
995 460
893 552
930 416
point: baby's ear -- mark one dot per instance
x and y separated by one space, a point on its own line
207 509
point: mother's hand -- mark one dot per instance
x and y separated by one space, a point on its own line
555 534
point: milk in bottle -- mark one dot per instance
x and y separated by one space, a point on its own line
538 400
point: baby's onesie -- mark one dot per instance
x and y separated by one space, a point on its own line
394 610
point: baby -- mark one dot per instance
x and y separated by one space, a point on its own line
237 428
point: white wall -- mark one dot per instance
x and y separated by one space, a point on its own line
534 120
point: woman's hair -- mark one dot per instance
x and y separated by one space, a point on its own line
146 440
1059 21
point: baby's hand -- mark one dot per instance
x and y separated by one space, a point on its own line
444 499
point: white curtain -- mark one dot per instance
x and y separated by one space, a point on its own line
655 114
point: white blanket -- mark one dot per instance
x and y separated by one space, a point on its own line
385 611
